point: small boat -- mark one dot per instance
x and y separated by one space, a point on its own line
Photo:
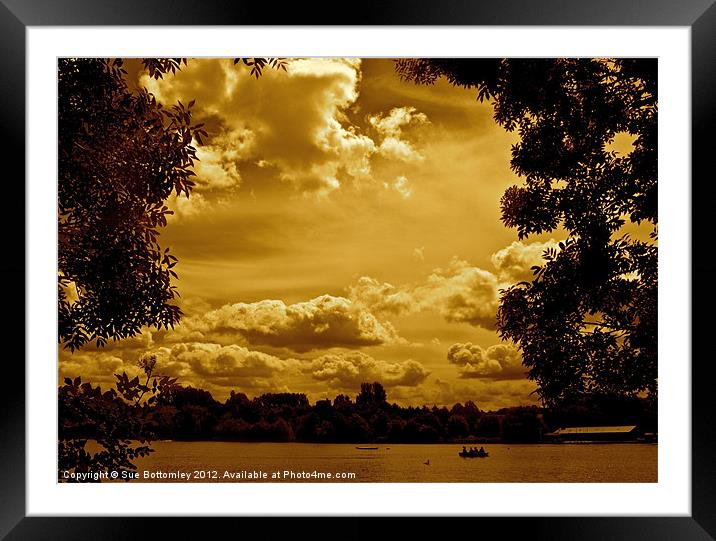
366 448
473 454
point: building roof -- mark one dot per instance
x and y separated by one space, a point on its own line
594 430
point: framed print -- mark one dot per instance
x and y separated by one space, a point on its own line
406 264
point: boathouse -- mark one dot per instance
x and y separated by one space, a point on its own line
594 433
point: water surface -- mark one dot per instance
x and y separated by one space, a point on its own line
396 463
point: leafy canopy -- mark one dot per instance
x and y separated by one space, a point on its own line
587 322
121 155
118 420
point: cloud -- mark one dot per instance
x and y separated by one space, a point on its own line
322 322
219 368
460 293
381 297
217 165
217 361
186 207
102 364
99 365
398 117
498 362
400 185
486 394
214 367
347 370
296 121
96 367
514 262
390 127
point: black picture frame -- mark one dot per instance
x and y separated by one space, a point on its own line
699 15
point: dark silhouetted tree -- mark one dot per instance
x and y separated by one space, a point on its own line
371 394
457 426
123 421
342 401
587 322
119 420
121 155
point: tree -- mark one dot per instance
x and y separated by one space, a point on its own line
587 322
291 401
342 401
371 394
118 420
121 155
457 426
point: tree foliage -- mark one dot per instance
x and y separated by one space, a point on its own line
257 65
116 420
371 393
121 155
123 421
587 322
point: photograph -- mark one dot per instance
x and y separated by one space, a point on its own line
357 270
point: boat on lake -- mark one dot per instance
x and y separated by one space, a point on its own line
366 448
473 453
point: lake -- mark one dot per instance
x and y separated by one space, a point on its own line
395 463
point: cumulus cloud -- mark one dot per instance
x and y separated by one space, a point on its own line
294 121
215 360
460 293
486 394
322 322
186 207
381 297
396 119
514 262
99 365
400 185
217 164
498 362
90 366
219 368
347 370
390 127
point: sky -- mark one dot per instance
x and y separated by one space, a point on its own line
344 228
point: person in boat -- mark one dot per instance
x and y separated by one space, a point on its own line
482 452
464 451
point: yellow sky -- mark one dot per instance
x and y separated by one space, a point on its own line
345 227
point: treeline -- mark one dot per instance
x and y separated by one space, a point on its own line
188 413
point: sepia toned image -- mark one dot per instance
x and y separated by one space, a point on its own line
357 270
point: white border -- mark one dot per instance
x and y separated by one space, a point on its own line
670 496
